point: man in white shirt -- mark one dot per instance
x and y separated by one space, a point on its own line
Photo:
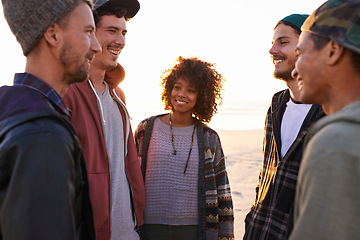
286 124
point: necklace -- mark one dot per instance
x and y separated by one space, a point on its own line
172 142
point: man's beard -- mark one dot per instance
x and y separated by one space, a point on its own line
285 75
75 69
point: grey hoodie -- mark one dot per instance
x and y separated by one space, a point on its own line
328 191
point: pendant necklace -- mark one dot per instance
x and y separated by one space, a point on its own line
172 141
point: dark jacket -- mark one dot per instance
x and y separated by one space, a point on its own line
271 216
43 182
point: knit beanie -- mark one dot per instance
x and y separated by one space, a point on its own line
29 19
295 20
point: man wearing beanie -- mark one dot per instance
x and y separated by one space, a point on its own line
102 122
286 124
44 187
328 190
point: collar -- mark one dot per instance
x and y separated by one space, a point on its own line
294 101
35 83
115 76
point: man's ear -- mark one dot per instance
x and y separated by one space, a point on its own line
51 35
334 52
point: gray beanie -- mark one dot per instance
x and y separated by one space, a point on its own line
29 19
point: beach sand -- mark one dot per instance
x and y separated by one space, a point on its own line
243 153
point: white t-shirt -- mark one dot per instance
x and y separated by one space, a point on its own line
291 123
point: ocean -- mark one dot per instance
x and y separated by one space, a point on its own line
230 115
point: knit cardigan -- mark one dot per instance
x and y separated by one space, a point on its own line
216 219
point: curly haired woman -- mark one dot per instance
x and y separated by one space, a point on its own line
187 191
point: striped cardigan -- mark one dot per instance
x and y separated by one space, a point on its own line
216 219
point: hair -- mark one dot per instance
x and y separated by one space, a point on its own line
320 42
355 60
117 11
296 29
207 81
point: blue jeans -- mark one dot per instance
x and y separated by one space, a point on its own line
171 232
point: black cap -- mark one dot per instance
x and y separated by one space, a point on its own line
131 6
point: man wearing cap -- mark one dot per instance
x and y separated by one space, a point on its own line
44 190
328 191
286 124
101 120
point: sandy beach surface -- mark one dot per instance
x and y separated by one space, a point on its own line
243 153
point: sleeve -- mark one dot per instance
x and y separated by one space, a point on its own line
265 150
38 184
225 204
134 173
139 138
326 194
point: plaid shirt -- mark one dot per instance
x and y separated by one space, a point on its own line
271 216
30 81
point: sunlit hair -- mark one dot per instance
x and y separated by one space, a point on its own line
117 11
206 80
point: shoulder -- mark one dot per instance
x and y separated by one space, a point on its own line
331 144
279 97
146 124
46 124
18 100
210 135
281 94
78 94
334 136
120 94
79 87
16 96
332 149
44 130
209 131
142 126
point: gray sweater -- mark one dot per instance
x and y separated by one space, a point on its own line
215 208
328 192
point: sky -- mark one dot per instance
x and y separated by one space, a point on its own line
233 34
